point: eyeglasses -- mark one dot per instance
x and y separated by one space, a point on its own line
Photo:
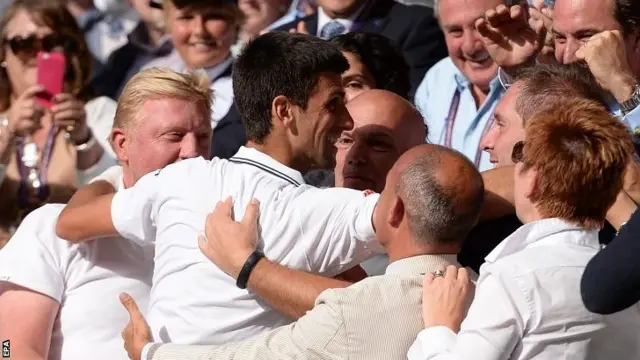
28 47
517 154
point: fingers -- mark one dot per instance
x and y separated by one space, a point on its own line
59 98
72 116
451 273
131 306
31 91
251 213
428 279
203 244
488 32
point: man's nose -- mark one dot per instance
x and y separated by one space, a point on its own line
357 154
570 49
489 139
189 147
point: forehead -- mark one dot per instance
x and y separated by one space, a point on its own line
327 86
24 24
506 108
571 16
163 113
462 11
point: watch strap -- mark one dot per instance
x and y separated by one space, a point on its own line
633 102
249 265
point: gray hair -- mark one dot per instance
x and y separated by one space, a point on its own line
441 213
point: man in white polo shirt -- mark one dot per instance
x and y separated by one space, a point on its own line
59 300
289 91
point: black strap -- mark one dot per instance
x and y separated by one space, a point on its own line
248 267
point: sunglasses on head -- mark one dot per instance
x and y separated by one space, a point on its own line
517 154
29 46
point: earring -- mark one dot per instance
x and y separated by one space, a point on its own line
3 64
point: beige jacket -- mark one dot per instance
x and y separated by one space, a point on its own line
377 318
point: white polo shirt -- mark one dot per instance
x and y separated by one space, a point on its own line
192 301
85 279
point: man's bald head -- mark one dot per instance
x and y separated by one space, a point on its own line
441 192
385 126
389 110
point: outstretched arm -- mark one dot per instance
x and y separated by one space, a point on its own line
88 214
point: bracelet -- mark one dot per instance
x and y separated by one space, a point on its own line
248 267
91 142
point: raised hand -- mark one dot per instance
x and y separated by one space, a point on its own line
606 56
68 113
511 36
25 113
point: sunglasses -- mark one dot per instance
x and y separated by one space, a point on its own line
28 47
517 152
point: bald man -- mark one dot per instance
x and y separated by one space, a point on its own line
376 318
384 126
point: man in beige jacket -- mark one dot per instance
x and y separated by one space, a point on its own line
431 200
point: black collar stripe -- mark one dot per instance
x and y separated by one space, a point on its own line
264 167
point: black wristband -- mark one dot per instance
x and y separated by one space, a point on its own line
249 265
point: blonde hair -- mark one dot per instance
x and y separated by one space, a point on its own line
157 83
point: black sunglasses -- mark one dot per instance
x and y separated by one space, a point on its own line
517 154
29 46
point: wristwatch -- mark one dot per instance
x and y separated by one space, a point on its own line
633 102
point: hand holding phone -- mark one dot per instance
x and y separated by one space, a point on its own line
51 68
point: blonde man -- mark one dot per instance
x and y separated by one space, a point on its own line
59 300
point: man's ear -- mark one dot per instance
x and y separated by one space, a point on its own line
396 215
283 113
120 144
531 183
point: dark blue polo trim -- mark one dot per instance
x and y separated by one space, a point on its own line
264 167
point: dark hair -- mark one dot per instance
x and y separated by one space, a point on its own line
54 15
442 202
627 13
382 58
279 63
545 85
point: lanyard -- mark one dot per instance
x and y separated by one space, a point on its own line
43 191
450 122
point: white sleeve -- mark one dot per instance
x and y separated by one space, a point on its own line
133 210
338 228
33 257
491 331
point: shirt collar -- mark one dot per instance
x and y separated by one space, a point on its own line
140 38
252 156
555 229
420 265
323 19
215 71
463 83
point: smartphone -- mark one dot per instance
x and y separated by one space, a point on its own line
50 75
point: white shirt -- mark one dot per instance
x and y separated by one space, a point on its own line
85 279
527 305
302 227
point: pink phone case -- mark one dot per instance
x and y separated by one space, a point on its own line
50 74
